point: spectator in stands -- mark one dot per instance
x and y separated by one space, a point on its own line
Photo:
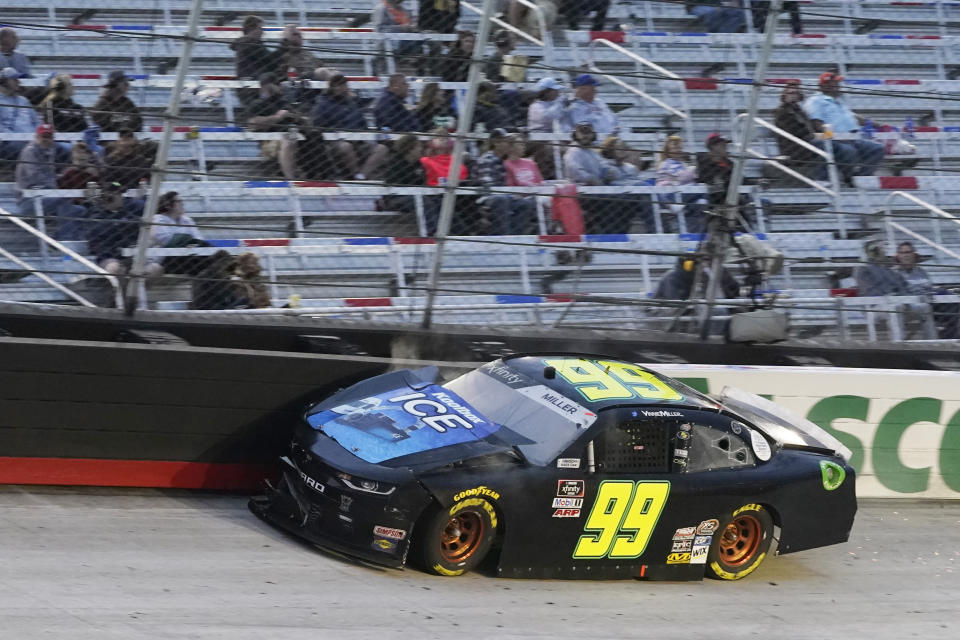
436 166
791 117
339 110
58 107
392 111
251 286
522 171
919 283
272 113
587 107
574 9
36 169
675 170
876 277
302 62
390 16
253 58
435 109
174 229
585 166
9 56
455 66
489 113
548 112
527 20
715 168
719 16
113 224
762 7
828 109
678 283
214 287
114 111
85 167
438 16
619 171
128 160
501 66
403 169
16 114
509 214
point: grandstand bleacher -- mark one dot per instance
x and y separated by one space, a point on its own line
900 60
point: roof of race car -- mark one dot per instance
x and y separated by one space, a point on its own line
601 382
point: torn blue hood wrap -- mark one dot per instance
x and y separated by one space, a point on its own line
398 422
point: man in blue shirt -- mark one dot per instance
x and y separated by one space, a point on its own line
17 115
853 157
391 111
587 107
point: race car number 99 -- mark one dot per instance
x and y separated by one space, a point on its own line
602 380
622 519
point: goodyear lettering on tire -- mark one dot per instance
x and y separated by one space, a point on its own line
476 502
747 507
726 575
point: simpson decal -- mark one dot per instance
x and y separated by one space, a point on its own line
570 488
387 532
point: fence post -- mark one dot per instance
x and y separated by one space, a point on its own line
159 171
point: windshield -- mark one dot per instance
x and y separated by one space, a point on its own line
509 398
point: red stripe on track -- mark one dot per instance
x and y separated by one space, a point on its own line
132 473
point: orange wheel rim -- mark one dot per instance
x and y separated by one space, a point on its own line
740 540
461 536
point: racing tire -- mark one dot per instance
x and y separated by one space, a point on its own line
741 543
454 540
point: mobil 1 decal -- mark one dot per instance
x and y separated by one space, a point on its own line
622 519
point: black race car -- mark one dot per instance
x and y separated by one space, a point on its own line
560 466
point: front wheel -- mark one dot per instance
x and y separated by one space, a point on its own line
455 539
741 544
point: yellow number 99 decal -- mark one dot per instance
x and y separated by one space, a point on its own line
594 380
622 519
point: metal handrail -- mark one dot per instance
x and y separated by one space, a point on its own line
546 43
53 283
888 213
111 279
641 60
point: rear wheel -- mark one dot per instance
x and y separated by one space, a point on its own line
455 539
741 543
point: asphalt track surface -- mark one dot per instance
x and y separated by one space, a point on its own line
130 564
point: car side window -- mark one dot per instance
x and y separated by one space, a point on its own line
634 446
709 448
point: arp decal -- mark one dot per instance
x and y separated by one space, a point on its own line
622 519
566 513
708 527
604 380
389 532
567 503
476 491
678 558
570 488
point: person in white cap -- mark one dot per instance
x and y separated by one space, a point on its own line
17 115
548 108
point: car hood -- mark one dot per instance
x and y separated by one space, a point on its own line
779 423
405 417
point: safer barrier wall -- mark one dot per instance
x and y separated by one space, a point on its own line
902 426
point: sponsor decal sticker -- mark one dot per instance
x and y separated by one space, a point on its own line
680 453
678 558
384 545
570 488
568 463
567 503
559 403
566 513
708 527
760 445
476 491
389 532
682 545
736 426
662 414
683 435
699 554
685 532
700 541
345 502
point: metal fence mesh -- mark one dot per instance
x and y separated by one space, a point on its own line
311 151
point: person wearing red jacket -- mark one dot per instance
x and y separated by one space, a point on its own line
436 166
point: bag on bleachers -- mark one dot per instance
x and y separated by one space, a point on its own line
566 209
896 146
